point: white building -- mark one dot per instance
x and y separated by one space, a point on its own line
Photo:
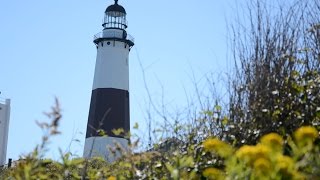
4 129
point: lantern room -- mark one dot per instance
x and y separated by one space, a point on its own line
115 17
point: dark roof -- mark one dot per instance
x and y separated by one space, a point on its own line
116 7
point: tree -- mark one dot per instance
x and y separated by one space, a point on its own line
277 70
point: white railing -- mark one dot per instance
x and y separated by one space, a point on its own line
112 34
129 37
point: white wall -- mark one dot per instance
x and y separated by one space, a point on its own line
112 69
4 129
103 147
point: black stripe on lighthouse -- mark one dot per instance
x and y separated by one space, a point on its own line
109 110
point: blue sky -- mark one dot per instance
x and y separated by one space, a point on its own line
46 50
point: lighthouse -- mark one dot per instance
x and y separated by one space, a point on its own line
109 106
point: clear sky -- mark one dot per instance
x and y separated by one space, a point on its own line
46 50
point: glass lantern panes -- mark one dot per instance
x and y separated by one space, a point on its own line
115 19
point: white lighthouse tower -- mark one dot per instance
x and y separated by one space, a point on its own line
109 107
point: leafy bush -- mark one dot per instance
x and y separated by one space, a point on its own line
267 160
273 157
277 69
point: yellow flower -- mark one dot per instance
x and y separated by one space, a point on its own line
262 151
215 145
273 140
284 163
213 173
262 165
245 153
305 135
112 178
249 154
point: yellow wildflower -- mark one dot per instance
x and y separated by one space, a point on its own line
273 140
262 165
112 178
305 135
215 145
213 173
284 164
245 153
262 151
245 150
249 154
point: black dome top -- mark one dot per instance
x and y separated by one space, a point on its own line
116 7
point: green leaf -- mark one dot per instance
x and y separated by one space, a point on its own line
169 167
136 126
118 132
186 161
101 132
225 120
276 112
218 108
208 113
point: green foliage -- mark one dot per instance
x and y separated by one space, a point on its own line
273 157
